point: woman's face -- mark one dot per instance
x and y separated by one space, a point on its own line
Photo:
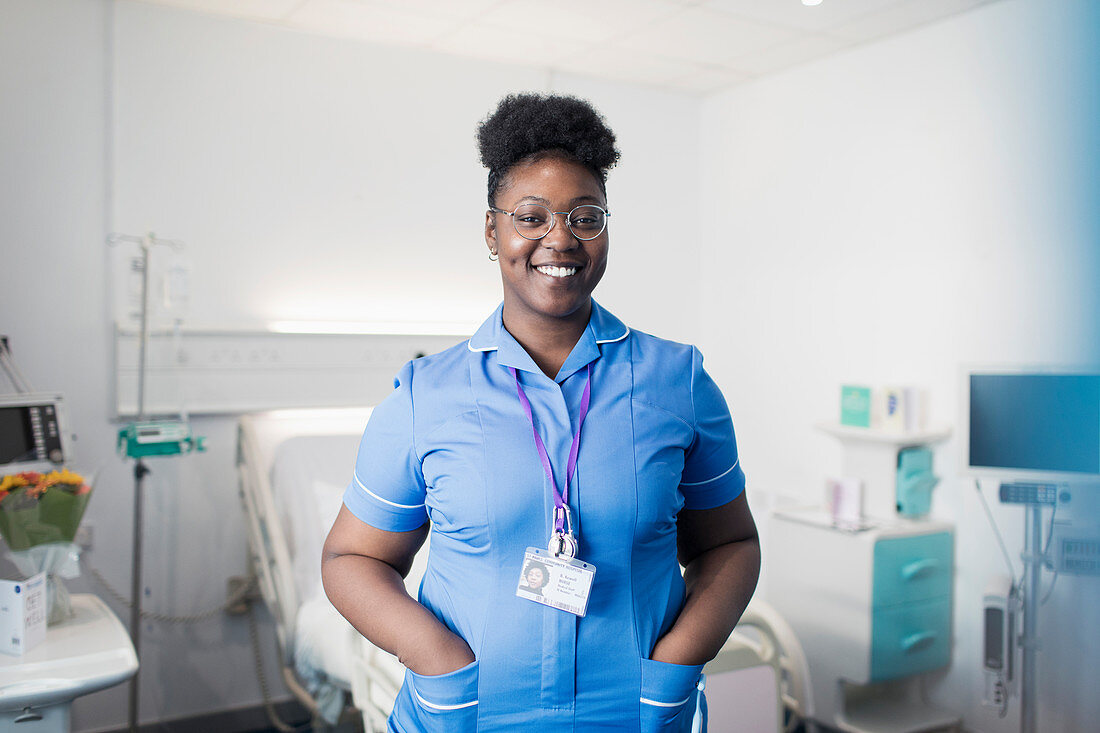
535 577
552 277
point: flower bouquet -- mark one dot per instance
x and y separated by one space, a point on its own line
39 515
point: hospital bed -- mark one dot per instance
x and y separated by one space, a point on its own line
293 466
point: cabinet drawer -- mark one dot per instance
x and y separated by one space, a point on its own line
910 639
909 569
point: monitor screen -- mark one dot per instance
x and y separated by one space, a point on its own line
16 435
1035 422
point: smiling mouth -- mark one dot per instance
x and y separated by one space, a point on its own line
555 271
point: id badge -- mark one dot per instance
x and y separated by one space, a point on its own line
558 582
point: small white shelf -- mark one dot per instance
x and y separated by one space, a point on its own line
887 437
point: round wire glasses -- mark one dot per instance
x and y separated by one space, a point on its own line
534 221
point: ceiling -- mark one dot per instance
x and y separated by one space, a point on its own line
693 46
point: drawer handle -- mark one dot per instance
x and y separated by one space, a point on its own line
27 716
920 567
918 641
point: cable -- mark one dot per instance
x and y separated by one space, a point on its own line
272 714
241 596
1046 557
996 532
1046 596
17 379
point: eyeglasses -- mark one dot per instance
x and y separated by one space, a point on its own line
534 221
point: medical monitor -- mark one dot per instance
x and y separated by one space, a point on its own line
33 432
1033 425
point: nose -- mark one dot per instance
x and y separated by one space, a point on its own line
560 238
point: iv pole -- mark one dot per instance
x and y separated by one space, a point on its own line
146 243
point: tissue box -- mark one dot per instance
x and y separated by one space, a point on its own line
22 614
900 409
855 406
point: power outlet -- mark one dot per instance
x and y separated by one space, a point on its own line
236 594
84 535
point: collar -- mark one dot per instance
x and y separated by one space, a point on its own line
603 328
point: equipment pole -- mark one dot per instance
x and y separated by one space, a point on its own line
1032 556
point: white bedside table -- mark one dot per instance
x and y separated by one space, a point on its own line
88 652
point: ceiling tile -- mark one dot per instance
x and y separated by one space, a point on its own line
255 9
705 36
901 16
791 53
706 81
581 20
500 43
369 22
456 9
694 45
612 62
793 14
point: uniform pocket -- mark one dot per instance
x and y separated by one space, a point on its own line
445 702
668 696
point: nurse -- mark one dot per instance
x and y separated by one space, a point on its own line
558 436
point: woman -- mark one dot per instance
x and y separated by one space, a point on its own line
535 577
485 440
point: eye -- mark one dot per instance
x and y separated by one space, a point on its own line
531 216
586 218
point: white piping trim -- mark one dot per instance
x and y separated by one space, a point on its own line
435 706
470 346
385 501
658 703
700 483
611 341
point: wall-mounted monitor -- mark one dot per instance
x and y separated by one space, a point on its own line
1033 425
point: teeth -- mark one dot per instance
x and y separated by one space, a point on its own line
553 271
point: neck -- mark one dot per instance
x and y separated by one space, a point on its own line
547 340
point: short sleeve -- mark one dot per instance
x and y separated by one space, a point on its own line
712 470
388 490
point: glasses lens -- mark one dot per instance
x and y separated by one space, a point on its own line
587 222
532 221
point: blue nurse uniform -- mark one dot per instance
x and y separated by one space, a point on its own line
452 444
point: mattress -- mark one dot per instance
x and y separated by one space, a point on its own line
308 476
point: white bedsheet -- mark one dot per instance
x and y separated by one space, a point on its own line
308 476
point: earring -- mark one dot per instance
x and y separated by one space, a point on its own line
493 255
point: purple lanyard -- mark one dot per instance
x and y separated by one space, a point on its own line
561 499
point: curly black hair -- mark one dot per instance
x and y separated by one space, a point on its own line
526 126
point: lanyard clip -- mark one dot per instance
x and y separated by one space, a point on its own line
565 516
563 543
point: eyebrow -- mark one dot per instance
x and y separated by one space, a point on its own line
574 202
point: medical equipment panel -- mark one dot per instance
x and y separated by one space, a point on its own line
1028 493
1000 605
158 438
33 432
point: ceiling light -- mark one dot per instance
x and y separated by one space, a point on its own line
811 3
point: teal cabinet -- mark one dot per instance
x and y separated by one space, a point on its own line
911 605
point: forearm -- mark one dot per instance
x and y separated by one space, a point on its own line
719 583
371 595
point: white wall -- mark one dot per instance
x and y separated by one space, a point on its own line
316 178
310 178
895 213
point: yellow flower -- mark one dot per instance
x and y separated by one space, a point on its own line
12 481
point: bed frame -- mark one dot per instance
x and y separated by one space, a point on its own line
258 436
